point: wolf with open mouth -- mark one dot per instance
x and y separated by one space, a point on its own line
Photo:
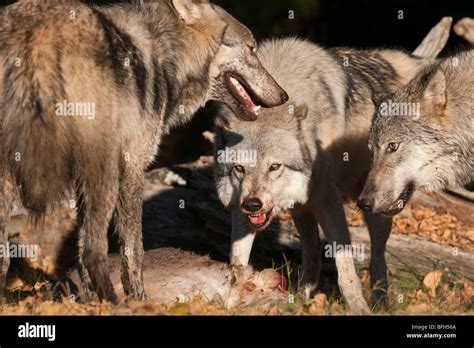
311 153
429 152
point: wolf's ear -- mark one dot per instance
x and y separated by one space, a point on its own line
189 11
434 94
300 111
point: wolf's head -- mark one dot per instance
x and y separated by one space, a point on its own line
409 146
237 76
262 166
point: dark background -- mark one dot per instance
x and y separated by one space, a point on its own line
356 23
362 23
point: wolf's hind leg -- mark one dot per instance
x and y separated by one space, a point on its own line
128 226
97 201
331 217
307 226
5 211
241 240
379 230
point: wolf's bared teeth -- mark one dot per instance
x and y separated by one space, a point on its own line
256 108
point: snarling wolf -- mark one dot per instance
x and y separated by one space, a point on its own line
430 150
143 68
310 154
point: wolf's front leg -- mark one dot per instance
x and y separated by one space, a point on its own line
128 225
379 230
241 239
331 217
307 226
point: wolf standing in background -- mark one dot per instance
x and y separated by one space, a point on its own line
145 68
430 150
311 154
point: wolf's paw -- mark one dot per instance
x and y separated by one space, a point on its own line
379 299
136 294
307 291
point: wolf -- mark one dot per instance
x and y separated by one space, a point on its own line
431 150
145 67
310 154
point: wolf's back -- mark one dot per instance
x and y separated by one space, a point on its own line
304 70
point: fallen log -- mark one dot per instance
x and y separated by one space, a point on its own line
419 255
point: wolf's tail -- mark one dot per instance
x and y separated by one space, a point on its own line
434 42
35 144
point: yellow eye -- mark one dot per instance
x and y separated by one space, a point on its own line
275 166
239 168
392 147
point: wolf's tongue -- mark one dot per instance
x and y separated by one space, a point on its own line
247 100
258 219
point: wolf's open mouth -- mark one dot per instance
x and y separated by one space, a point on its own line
243 93
400 203
260 221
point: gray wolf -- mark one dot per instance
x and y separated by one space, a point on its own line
310 154
144 68
430 150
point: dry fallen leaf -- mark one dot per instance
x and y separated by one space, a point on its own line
320 305
470 235
432 280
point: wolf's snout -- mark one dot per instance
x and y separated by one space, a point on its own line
252 204
279 98
366 204
284 97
